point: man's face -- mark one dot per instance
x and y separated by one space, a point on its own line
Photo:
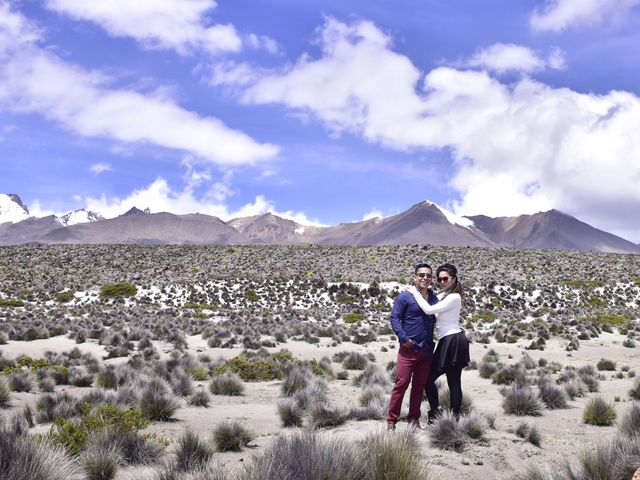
422 278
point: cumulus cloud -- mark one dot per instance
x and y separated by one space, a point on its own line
517 148
374 213
559 15
34 80
502 57
160 197
179 25
98 168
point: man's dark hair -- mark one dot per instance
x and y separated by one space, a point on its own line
421 265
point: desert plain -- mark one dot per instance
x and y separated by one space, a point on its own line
202 362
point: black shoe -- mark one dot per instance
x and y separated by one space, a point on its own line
432 416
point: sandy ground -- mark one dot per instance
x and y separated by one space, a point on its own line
500 454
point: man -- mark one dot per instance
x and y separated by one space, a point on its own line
414 330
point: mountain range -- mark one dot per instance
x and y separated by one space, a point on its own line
423 223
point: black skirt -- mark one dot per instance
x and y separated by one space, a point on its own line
452 351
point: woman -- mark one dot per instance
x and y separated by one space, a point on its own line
452 352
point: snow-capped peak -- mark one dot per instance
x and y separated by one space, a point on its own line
12 209
79 216
452 217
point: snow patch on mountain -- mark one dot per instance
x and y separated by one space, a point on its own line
79 216
455 219
12 209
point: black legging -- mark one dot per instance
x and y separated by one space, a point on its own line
454 380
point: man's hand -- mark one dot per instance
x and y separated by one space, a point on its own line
408 344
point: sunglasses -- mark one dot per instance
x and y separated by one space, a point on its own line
423 275
444 279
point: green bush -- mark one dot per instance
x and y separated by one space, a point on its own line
11 303
64 297
483 316
251 295
114 290
73 434
353 317
258 369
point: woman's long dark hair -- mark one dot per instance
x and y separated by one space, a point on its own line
453 273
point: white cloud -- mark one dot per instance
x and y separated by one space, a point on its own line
374 213
98 168
34 80
558 15
263 42
165 24
159 197
502 57
517 148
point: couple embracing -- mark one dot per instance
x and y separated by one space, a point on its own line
416 312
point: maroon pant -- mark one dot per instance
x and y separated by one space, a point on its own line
413 367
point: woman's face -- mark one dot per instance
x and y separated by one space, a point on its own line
445 280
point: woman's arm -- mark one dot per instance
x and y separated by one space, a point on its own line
447 303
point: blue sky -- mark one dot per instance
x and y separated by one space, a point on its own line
323 111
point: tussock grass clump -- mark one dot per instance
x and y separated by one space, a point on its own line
530 433
21 381
589 376
444 396
200 398
134 449
46 385
599 412
372 375
446 433
157 401
510 374
49 407
573 389
473 424
25 458
635 391
291 414
231 436
227 384
487 369
324 416
491 357
181 382
315 392
521 401
297 379
370 412
392 456
372 394
617 458
606 365
101 463
630 423
552 395
192 452
80 377
309 455
5 394
355 361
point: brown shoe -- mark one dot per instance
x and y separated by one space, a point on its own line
416 427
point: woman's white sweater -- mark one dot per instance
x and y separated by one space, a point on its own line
447 311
